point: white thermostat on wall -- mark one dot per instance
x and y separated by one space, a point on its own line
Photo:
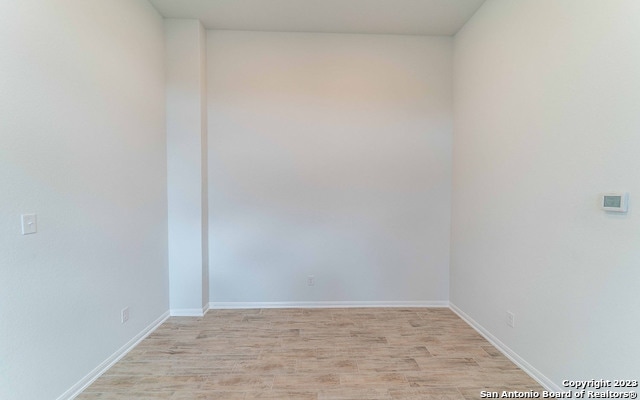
616 202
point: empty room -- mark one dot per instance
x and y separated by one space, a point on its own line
319 199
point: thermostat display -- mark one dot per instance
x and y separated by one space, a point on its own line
616 202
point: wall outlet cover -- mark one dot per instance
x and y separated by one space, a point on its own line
510 319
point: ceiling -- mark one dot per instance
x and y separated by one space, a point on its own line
402 17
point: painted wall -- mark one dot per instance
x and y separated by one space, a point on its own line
204 168
329 155
185 60
82 144
546 116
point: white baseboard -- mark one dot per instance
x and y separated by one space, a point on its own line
76 389
189 312
326 304
547 383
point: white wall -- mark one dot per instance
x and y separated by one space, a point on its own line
204 168
546 116
329 155
185 59
82 144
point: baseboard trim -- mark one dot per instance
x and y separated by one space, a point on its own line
326 304
547 383
76 389
189 312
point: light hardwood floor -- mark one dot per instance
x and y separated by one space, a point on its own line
372 354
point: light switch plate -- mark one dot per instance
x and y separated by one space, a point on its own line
29 224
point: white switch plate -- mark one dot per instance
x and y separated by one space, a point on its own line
124 315
29 224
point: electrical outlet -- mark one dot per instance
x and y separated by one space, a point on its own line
510 319
124 315
311 280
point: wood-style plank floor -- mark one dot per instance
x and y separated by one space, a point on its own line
318 354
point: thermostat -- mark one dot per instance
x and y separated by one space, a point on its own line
616 202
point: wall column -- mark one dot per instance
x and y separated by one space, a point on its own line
185 54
